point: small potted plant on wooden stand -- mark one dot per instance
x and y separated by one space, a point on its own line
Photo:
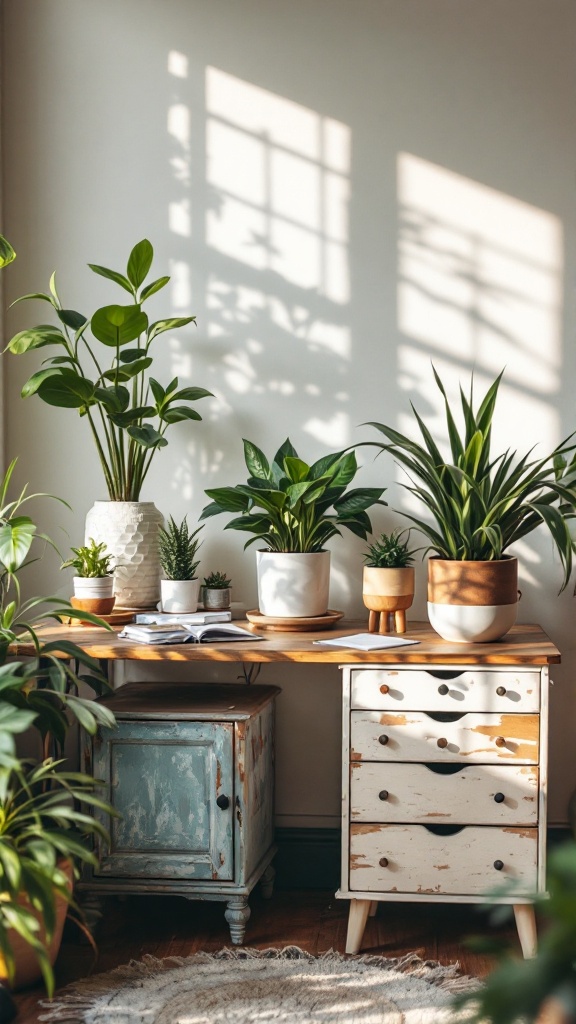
216 592
94 579
388 582
179 586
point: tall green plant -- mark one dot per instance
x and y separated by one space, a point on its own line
286 503
100 369
177 548
482 504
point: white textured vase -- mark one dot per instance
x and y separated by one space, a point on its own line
179 595
293 585
130 531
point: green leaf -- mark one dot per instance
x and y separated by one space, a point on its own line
152 288
147 436
118 325
71 318
161 326
35 337
174 414
115 399
296 469
130 355
130 370
16 538
158 392
228 499
112 275
67 390
139 262
256 461
33 295
33 383
7 253
126 419
187 394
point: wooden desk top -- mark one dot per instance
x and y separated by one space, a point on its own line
523 645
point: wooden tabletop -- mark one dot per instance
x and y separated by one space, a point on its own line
523 645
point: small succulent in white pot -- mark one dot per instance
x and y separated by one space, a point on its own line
388 581
179 585
94 579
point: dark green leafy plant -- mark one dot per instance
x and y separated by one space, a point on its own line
286 504
178 548
42 825
390 551
91 560
522 990
480 503
217 581
128 412
7 253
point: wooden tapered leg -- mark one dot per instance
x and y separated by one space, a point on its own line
373 908
526 926
357 917
383 622
400 620
373 622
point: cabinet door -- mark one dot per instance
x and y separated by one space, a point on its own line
164 778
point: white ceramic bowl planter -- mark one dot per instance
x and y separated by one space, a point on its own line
179 595
293 585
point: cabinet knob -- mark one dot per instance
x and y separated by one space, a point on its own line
443 690
383 794
498 864
383 739
499 798
383 862
223 802
384 688
500 741
442 742
501 691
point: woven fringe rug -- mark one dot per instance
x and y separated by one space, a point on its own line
249 986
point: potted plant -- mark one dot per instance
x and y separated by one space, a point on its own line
179 585
100 368
216 592
294 508
480 505
94 579
388 581
39 826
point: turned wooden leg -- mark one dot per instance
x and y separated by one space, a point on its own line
373 908
357 917
373 622
237 913
526 926
383 622
400 620
267 883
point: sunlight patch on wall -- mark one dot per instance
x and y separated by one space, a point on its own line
278 175
479 288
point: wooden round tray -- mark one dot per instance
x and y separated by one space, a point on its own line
284 625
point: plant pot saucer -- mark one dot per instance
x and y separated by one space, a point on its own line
115 618
282 624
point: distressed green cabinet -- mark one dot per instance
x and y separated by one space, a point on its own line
190 770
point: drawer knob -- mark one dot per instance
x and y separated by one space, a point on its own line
384 688
223 802
501 691
383 739
383 862
500 741
383 794
499 798
443 690
498 864
442 742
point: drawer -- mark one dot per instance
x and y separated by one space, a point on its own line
387 792
412 859
416 736
470 690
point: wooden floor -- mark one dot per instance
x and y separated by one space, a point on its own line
314 921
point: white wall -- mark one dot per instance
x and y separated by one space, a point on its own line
342 192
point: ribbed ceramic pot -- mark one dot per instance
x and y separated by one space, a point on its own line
130 531
292 584
472 602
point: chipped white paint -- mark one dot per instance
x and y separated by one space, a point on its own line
438 690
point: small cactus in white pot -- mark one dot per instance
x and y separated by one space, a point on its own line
179 585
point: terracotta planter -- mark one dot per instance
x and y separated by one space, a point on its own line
94 605
179 595
387 593
472 602
27 968
293 585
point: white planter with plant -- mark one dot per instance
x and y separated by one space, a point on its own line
480 505
293 509
216 592
388 582
100 368
179 585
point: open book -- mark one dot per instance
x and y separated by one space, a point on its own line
186 633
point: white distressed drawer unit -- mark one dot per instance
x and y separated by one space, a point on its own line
444 787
